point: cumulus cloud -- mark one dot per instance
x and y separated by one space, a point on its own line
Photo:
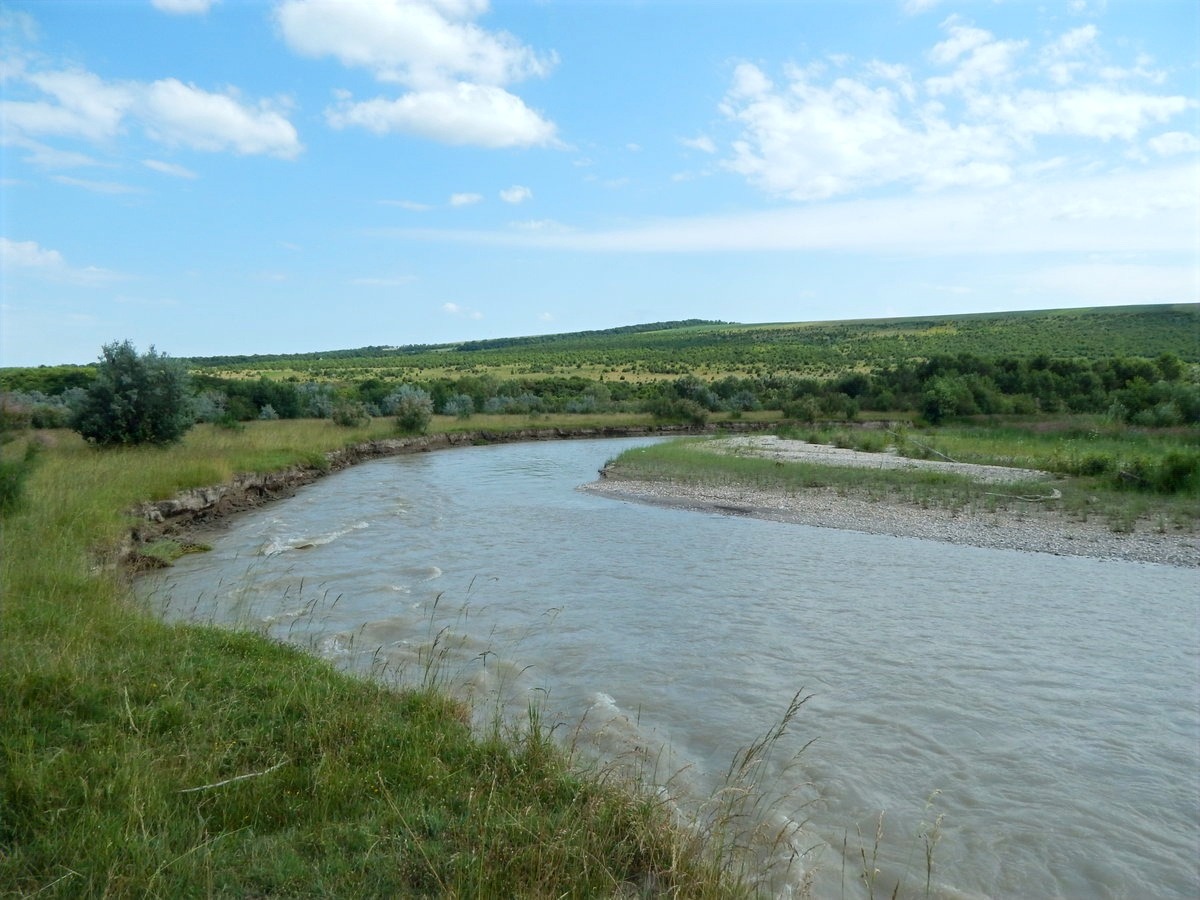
182 114
463 114
29 255
831 130
453 72
518 193
465 199
73 103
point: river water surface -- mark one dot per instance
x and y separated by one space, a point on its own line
1046 708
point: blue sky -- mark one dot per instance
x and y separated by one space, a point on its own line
234 177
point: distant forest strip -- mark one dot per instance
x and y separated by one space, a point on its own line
1135 365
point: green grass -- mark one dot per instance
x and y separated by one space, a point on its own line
1068 449
139 758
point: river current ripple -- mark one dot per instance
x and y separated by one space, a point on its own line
1046 708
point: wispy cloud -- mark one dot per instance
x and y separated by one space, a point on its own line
410 205
172 169
389 281
1154 211
98 187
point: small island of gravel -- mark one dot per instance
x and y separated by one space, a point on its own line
1019 521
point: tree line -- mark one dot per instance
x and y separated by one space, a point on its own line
1160 392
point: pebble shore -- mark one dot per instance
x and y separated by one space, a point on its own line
1033 527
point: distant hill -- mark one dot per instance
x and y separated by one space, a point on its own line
708 348
712 349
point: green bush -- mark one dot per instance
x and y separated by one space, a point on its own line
413 408
135 399
349 414
674 409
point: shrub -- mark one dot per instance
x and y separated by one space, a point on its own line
135 399
413 408
460 406
349 414
670 409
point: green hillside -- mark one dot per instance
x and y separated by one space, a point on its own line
805 348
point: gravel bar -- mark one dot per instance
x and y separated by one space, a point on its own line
1026 526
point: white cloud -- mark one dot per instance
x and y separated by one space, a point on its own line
1172 143
97 187
518 193
455 309
979 57
183 7
78 104
418 43
29 255
916 7
82 105
36 260
166 168
46 157
455 70
1096 112
703 143
178 113
812 141
464 114
465 199
410 205
828 131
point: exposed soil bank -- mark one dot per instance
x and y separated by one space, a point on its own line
205 507
1037 527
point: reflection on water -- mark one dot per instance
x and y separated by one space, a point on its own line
1051 701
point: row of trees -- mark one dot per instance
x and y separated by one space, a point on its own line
150 398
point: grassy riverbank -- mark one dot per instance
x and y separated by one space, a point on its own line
145 759
1122 476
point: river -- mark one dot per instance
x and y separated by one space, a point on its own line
1034 717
